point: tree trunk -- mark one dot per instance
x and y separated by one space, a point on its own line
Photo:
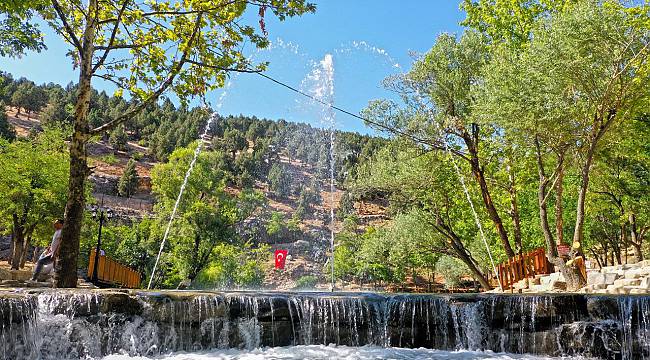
66 266
599 128
634 237
559 207
551 249
464 256
471 141
514 211
572 275
18 238
461 252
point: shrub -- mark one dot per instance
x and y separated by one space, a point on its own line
306 282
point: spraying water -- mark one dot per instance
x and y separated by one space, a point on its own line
320 86
197 151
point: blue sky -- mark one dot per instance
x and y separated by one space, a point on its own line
355 32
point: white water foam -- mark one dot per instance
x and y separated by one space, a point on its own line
331 352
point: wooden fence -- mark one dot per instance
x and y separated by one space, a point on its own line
110 272
523 266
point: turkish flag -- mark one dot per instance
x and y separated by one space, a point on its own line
280 258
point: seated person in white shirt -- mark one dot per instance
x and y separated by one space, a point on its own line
52 252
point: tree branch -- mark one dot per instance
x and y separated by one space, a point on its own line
250 71
175 13
112 39
108 78
172 75
68 29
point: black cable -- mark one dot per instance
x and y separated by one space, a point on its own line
379 125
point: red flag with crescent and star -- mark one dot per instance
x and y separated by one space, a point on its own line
280 258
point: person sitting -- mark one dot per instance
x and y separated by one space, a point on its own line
51 252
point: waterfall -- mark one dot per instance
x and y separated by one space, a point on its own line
92 324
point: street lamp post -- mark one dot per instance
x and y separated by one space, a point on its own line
103 214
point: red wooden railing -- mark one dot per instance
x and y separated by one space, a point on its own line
523 266
111 272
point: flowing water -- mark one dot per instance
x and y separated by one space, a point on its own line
247 325
323 352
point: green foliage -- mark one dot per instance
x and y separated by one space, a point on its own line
279 180
33 185
7 131
452 270
110 159
306 282
306 200
17 32
509 22
128 183
207 213
118 139
346 206
235 267
29 97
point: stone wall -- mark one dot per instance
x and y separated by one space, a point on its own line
620 279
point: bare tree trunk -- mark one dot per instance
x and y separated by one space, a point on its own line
66 266
559 207
599 128
572 275
18 239
461 252
472 141
597 257
634 237
514 210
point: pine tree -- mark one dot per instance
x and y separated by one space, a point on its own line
118 138
6 130
346 206
129 180
279 180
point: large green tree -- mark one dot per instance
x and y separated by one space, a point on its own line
33 185
436 202
207 214
439 94
145 49
17 32
563 93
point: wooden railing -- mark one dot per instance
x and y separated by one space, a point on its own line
523 266
110 272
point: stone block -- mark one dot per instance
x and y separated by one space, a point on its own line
645 283
601 278
638 291
551 278
637 273
21 275
557 285
627 282
617 289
